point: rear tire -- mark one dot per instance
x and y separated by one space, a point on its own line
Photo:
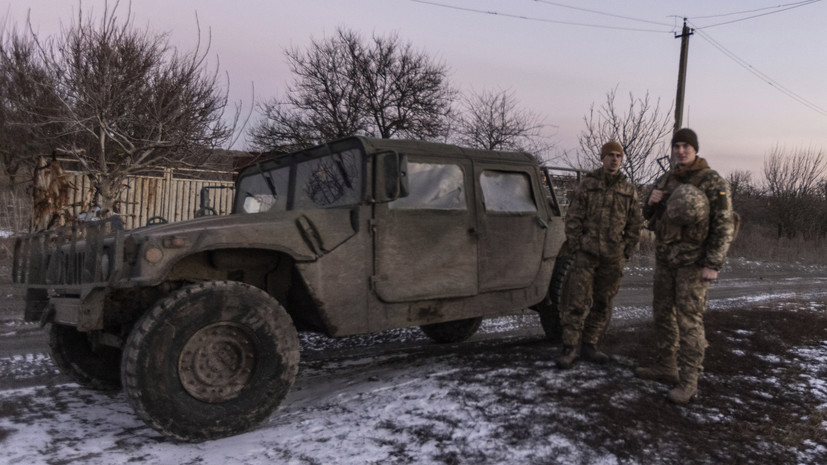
209 361
452 331
549 308
92 366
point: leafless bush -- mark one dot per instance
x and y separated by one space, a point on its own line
760 242
795 183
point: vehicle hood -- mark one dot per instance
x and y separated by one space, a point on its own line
305 234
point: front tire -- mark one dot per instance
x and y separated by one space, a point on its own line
92 366
452 331
209 361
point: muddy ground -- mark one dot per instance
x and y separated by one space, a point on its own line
497 398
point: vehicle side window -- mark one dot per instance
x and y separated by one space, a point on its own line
263 191
329 181
507 192
433 186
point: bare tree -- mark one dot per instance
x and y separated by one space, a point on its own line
794 182
641 130
405 92
343 86
323 101
127 101
27 99
494 121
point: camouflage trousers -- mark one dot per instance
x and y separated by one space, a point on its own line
586 305
678 306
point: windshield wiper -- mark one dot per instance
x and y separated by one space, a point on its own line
337 159
269 179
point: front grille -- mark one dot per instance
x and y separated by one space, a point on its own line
70 256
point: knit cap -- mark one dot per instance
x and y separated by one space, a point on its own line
687 136
610 147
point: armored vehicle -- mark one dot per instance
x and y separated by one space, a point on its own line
197 321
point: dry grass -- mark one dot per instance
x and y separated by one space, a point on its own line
762 243
757 243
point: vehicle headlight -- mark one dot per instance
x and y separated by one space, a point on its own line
153 254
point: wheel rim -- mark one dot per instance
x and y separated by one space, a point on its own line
217 362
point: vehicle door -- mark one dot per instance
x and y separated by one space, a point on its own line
425 245
512 232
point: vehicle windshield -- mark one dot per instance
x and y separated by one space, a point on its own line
331 181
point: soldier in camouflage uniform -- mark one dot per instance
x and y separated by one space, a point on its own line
690 211
603 225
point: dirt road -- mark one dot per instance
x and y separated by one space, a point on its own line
743 284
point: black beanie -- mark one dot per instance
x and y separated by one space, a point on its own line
686 135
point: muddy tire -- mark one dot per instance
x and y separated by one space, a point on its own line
92 366
452 331
549 308
210 360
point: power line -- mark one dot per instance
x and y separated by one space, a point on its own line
772 82
535 19
603 13
776 9
756 10
794 5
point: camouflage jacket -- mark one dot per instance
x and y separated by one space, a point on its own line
704 243
603 219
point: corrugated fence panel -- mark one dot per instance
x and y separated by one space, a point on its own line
151 197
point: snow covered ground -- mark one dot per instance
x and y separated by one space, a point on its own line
396 398
490 401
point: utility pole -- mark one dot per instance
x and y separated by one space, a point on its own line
685 33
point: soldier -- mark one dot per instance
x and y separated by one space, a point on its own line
690 211
602 230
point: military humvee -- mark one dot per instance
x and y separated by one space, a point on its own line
197 321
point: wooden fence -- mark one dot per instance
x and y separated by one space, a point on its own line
172 196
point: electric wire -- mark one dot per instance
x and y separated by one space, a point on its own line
603 13
535 19
761 75
699 29
756 10
795 5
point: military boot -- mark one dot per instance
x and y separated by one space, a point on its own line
687 389
666 373
567 357
591 353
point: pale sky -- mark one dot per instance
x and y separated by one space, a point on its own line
556 70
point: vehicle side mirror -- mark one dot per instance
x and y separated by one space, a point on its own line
390 176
